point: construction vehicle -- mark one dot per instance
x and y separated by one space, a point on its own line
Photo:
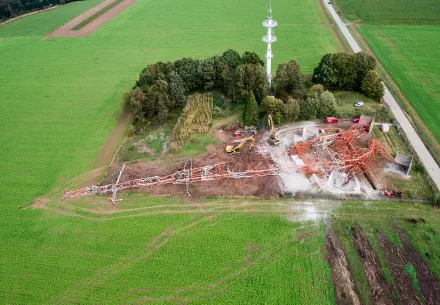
235 149
273 138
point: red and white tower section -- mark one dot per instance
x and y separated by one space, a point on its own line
269 38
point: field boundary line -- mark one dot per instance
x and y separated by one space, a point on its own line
29 14
419 147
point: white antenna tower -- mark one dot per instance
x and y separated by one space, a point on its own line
269 23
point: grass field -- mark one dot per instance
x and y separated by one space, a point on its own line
404 35
158 249
391 12
60 99
409 54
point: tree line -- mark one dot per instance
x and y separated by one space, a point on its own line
163 87
13 8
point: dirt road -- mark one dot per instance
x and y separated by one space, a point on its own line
424 155
67 29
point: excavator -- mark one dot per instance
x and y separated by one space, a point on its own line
273 138
235 149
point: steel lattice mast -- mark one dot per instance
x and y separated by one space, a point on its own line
269 38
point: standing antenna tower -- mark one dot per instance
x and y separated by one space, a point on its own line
269 38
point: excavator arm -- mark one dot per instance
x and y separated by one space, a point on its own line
273 138
234 149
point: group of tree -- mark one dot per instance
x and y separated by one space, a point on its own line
291 102
13 8
163 87
317 103
355 72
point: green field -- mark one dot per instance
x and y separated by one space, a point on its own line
404 36
391 11
410 56
60 98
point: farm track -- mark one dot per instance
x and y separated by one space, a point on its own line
422 151
67 29
209 286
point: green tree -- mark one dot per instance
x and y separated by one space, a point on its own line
316 90
291 110
363 63
325 73
275 107
251 58
154 72
309 108
231 58
188 70
251 110
372 86
138 106
327 105
176 90
346 71
250 77
289 78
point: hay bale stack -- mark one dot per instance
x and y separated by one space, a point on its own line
196 117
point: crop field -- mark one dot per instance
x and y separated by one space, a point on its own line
163 250
196 117
409 54
391 11
60 99
404 37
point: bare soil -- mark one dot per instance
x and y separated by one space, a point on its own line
67 29
429 284
246 160
398 258
345 290
379 288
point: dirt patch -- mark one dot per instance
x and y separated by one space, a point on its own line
67 29
40 203
345 290
429 284
379 288
107 154
414 220
396 262
398 258
253 186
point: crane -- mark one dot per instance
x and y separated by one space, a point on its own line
273 138
235 149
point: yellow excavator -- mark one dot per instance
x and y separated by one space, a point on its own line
235 149
273 138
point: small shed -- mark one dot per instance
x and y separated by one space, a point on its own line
405 162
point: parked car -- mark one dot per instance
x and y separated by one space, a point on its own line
238 133
356 120
331 120
359 104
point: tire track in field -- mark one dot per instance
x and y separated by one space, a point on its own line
100 277
271 255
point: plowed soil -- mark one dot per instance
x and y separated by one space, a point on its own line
345 290
398 258
379 288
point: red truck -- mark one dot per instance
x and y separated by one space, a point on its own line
331 120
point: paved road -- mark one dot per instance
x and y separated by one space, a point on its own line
420 148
